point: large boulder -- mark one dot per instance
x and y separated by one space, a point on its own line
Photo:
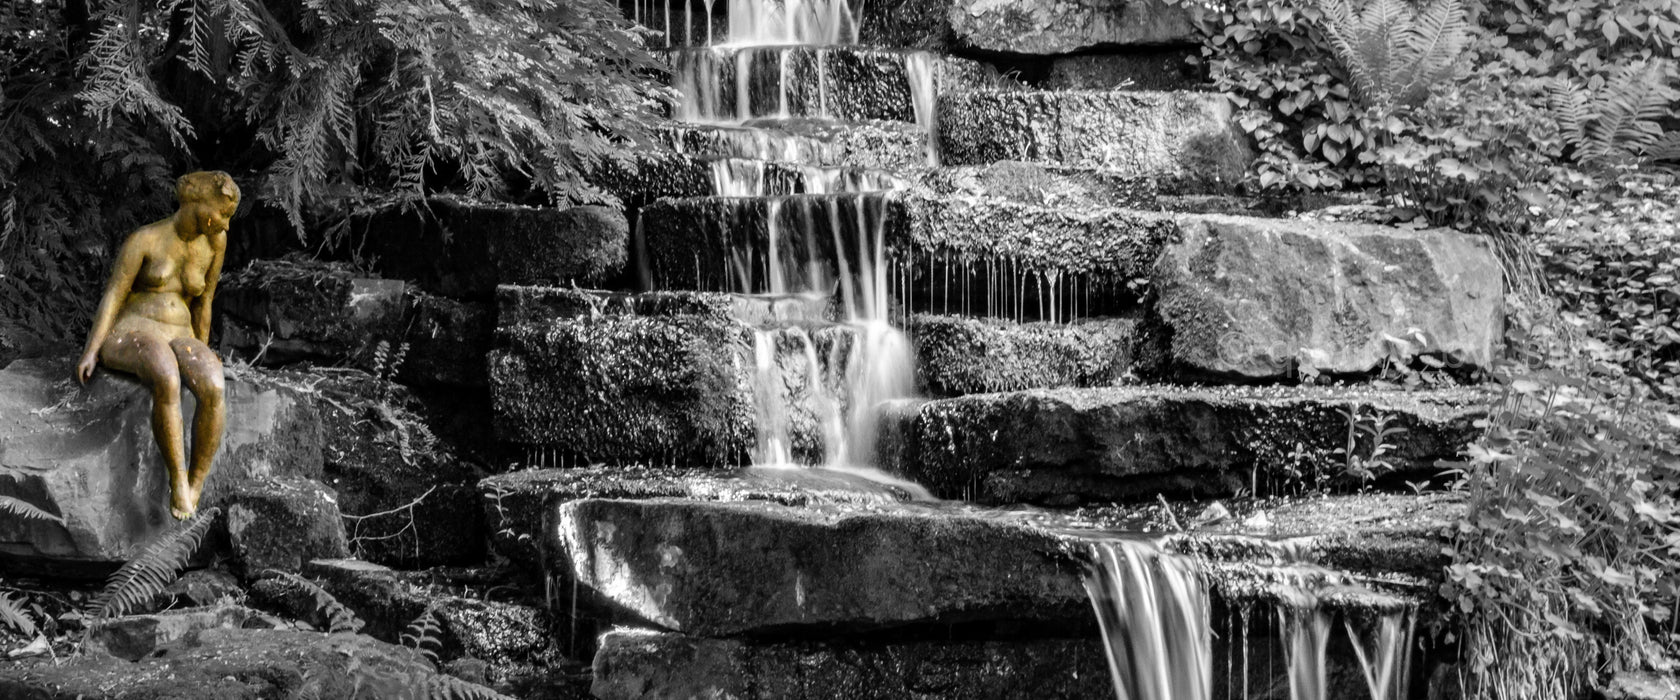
1188 140
1068 26
282 523
463 249
1129 443
87 456
1255 299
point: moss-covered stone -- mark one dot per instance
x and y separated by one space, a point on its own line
1256 298
692 243
642 665
846 83
956 355
1068 26
447 342
463 249
1187 140
1129 443
1043 185
282 523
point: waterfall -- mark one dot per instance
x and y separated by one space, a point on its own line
1152 608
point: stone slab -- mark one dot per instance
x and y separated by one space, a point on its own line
957 355
463 249
1249 298
280 311
87 455
1189 141
1068 26
1043 185
282 523
1065 446
514 503
843 83
735 568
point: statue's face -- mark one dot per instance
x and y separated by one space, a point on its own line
214 216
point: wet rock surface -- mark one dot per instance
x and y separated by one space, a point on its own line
1253 298
463 249
1043 185
641 664
713 568
846 83
956 355
88 456
1186 139
1068 445
134 637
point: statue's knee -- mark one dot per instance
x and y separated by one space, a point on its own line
166 388
209 390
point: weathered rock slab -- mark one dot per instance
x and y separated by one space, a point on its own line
280 311
846 83
462 249
956 356
1067 26
1128 443
1043 185
1187 140
637 664
1250 298
87 455
724 568
133 637
515 502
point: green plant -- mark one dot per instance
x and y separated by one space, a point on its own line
1619 121
1395 51
1375 432
159 562
1567 563
424 633
26 510
15 615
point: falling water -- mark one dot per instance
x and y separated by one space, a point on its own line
1386 662
1153 610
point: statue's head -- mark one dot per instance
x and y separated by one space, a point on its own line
209 197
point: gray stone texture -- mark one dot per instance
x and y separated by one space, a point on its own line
957 355
1253 298
280 311
1067 26
1187 140
282 523
88 456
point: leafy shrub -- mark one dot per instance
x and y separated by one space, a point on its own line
1568 562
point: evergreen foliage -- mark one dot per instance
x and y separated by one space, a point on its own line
339 618
318 106
26 511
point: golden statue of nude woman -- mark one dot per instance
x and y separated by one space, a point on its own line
154 323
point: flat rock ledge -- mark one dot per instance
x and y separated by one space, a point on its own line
727 568
1065 446
515 502
846 83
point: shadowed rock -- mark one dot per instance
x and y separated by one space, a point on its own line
1150 70
87 456
282 523
1188 140
845 83
1253 298
1067 26
279 311
1068 445
458 248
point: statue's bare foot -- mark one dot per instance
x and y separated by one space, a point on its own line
182 510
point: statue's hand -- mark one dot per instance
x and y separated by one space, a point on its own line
84 368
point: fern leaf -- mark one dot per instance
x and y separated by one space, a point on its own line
423 634
13 613
156 567
339 617
446 687
26 510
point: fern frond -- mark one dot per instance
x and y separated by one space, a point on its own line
443 686
24 509
424 634
146 575
339 617
13 613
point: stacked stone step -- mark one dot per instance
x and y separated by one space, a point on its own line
1092 349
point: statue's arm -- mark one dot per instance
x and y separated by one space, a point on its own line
123 271
201 305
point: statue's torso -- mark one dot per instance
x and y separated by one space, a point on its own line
174 273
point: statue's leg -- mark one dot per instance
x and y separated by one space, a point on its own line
201 370
148 356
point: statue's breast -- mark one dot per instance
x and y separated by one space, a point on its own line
196 272
156 273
